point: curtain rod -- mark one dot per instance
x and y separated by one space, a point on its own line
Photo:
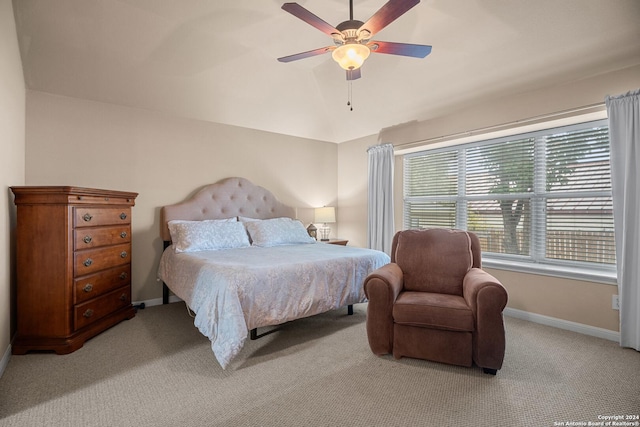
600 106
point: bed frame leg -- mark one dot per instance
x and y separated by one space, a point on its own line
165 293
165 288
253 333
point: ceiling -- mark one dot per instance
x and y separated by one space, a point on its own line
215 60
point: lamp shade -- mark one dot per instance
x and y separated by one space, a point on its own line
351 56
326 214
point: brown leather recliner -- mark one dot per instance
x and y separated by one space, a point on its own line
434 302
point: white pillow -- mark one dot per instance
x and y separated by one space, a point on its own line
277 231
180 221
192 236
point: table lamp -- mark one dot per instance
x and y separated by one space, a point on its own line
325 215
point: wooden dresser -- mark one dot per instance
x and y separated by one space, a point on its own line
73 253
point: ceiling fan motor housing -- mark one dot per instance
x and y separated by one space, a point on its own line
350 33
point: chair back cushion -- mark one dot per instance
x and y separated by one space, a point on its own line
434 260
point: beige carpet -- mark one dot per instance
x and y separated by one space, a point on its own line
158 370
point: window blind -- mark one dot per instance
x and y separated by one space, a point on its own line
542 197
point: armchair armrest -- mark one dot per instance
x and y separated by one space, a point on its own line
381 288
487 298
480 287
387 278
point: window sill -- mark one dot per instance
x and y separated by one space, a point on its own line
604 277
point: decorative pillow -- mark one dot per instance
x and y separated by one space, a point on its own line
192 236
277 231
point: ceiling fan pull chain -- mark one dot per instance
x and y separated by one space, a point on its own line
350 95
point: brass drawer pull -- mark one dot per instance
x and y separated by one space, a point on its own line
87 239
123 297
87 262
123 235
123 254
88 313
123 275
88 288
123 216
87 217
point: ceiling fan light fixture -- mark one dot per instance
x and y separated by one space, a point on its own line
351 56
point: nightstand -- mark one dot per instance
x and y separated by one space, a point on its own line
340 242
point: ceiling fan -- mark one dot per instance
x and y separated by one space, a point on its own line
352 38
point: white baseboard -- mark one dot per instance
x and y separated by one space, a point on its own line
564 324
5 360
156 301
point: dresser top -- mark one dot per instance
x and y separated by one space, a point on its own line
69 194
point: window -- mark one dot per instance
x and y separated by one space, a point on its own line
538 199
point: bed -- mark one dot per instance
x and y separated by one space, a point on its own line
276 273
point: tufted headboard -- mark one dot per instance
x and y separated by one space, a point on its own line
225 199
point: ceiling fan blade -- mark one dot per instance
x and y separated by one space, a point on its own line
354 74
296 10
386 15
306 54
404 49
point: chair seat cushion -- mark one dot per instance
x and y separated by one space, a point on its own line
431 310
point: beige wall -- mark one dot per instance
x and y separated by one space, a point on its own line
518 107
575 301
165 159
353 165
587 303
12 123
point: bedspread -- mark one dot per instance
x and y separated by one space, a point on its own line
232 291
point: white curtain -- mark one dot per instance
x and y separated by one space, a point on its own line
624 136
381 226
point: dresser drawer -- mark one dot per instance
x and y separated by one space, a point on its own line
93 260
102 200
97 284
91 217
95 309
86 238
